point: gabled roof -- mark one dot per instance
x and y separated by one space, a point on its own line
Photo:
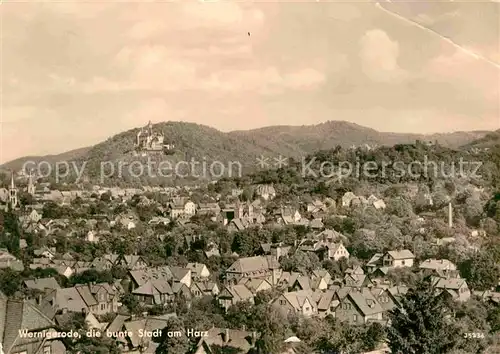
437 264
42 283
154 287
365 302
298 298
450 283
403 254
249 264
68 298
375 259
239 292
355 270
86 295
326 300
240 224
142 276
18 315
179 273
117 323
196 268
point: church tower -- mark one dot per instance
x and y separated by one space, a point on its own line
31 184
13 200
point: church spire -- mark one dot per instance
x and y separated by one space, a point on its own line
13 200
31 184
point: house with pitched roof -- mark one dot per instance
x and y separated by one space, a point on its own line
327 304
154 292
41 284
391 260
181 275
21 315
107 297
131 261
199 271
181 207
438 267
359 307
287 279
105 262
455 288
238 224
325 249
208 209
204 288
99 299
357 280
303 302
389 298
266 267
315 206
231 295
256 284
46 252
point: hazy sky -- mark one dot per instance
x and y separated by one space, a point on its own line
76 73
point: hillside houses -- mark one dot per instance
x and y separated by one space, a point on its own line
160 286
147 253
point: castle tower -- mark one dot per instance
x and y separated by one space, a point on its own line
13 200
31 184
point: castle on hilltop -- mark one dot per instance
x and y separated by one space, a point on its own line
150 140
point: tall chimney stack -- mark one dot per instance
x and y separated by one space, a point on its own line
450 215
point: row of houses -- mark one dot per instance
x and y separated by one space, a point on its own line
303 293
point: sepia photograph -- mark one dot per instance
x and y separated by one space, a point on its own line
250 177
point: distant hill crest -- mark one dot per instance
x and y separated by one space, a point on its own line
196 140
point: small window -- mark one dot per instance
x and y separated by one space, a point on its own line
403 262
47 349
103 307
355 318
